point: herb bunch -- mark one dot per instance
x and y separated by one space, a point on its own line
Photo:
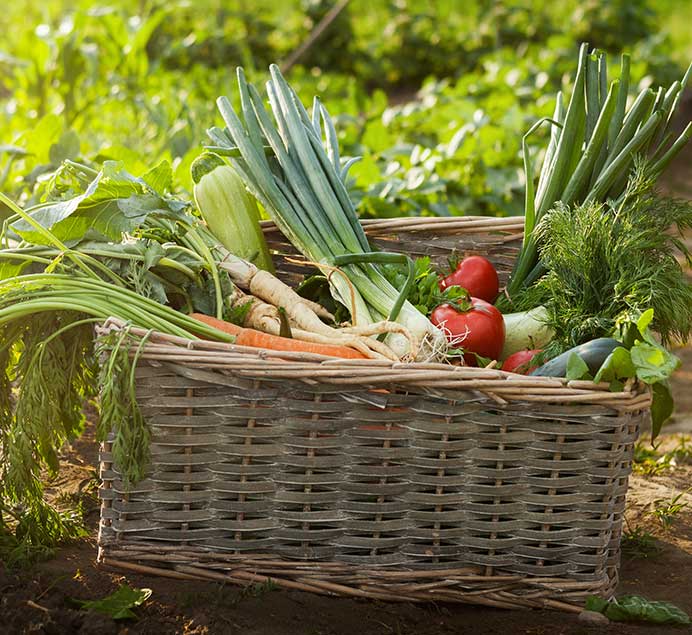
608 263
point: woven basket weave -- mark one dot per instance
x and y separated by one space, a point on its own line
407 482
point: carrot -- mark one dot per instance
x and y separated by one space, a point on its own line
258 339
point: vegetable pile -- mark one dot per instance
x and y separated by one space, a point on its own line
597 292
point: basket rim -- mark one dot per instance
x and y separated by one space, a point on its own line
501 386
457 224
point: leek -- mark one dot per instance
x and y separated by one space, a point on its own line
300 185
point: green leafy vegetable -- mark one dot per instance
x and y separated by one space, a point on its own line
119 604
607 262
632 608
114 203
576 367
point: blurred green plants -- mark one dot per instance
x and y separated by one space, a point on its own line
648 461
666 510
434 96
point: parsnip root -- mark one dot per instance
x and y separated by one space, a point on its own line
273 293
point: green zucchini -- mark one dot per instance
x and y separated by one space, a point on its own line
593 353
229 211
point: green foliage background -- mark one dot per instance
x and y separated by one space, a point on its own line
434 96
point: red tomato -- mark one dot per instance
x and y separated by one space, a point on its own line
479 330
477 275
519 362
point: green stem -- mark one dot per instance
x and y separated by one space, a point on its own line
44 232
206 254
385 258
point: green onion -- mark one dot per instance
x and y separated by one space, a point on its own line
593 148
22 296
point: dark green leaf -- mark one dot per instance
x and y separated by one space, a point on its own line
118 605
238 313
481 361
661 406
204 298
285 327
633 608
316 288
594 603
153 254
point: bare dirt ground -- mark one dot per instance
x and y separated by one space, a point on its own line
40 600
657 563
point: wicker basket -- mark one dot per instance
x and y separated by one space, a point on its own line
413 482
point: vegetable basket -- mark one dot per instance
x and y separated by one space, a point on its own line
407 482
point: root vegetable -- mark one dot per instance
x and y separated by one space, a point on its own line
258 339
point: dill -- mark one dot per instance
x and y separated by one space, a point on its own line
49 367
120 413
609 263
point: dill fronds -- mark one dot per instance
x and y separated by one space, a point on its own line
120 413
607 263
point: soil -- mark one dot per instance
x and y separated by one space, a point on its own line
657 563
41 600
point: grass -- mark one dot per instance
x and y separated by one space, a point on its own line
637 542
648 461
667 510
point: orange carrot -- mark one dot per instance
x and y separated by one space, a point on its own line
258 339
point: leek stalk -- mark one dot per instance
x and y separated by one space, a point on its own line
300 185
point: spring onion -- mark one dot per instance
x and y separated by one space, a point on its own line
26 295
593 148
